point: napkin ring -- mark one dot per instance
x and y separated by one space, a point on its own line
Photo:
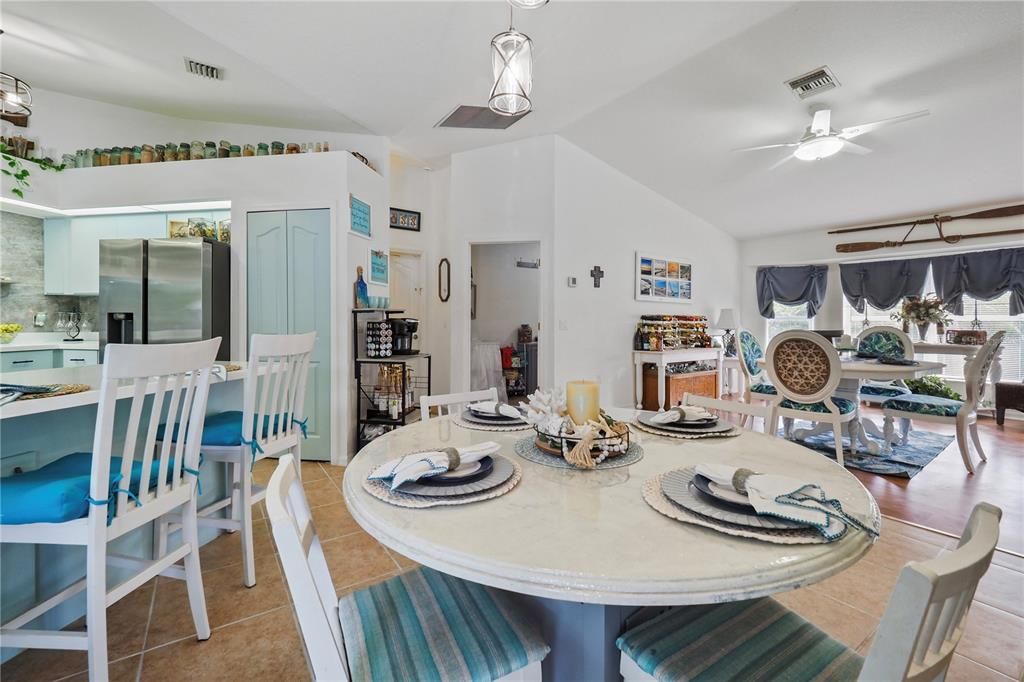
453 458
739 479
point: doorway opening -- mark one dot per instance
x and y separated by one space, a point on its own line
505 287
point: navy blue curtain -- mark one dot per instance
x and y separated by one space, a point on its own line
791 285
882 283
985 275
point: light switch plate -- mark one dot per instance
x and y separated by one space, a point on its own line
39 320
572 281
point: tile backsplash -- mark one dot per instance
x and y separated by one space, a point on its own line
21 259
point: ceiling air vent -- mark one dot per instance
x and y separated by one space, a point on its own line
204 70
464 116
813 83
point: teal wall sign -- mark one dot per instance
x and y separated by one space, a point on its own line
360 216
379 266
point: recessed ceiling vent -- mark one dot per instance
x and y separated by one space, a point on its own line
813 83
482 118
204 70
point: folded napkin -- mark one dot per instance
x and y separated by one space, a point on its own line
498 409
681 413
426 464
786 498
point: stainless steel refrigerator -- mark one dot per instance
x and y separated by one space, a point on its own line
165 291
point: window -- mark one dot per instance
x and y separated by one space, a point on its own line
789 317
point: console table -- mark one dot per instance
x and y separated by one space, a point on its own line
666 357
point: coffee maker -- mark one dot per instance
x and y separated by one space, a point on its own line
403 331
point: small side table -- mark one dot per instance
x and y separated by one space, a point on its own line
1009 396
731 368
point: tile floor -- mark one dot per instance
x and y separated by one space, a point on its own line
255 635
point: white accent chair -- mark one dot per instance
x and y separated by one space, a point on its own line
755 383
891 342
335 654
273 396
946 411
147 483
748 412
453 401
915 641
805 369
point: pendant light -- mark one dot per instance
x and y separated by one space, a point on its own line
527 4
512 64
15 96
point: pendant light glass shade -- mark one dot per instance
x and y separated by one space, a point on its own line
512 63
15 96
527 4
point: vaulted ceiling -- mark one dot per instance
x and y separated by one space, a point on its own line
663 91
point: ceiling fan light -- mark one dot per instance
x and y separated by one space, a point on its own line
512 64
818 148
527 4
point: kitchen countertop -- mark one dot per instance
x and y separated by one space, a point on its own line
26 341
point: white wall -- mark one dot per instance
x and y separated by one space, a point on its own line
506 295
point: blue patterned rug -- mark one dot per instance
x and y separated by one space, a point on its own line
905 461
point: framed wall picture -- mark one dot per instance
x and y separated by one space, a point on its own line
403 219
379 266
663 279
360 210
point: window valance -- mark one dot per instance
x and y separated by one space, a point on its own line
985 275
882 283
791 285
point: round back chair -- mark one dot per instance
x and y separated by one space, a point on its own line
750 353
803 366
977 368
883 340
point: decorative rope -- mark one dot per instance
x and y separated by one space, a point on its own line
113 491
255 446
195 472
302 426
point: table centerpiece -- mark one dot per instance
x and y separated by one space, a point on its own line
576 428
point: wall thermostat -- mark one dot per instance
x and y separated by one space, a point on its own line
572 281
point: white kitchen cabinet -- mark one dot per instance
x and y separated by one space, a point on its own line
79 358
56 254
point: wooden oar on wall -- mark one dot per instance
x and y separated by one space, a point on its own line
856 247
937 221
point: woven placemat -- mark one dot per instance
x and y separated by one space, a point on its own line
382 491
231 367
528 450
473 426
58 389
686 436
661 504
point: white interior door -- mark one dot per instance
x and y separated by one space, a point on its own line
407 284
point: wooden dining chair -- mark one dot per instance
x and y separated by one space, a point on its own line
453 401
962 413
273 396
884 341
91 499
747 412
805 369
422 624
761 639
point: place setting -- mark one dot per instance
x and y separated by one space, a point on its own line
490 415
686 422
762 506
444 477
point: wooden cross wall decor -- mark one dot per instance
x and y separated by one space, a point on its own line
597 273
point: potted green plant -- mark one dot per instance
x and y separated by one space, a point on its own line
922 312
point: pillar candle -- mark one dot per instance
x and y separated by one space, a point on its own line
583 400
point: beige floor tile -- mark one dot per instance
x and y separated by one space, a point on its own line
1002 588
404 562
993 638
965 670
894 551
333 520
356 557
894 526
334 472
363 584
841 622
227 599
226 550
1007 560
264 468
266 647
125 670
321 492
866 586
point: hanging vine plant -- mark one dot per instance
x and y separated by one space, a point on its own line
14 168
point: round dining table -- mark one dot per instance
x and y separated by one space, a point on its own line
585 550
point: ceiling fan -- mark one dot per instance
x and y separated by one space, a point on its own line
821 140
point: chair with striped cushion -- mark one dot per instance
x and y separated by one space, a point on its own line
762 640
890 342
421 625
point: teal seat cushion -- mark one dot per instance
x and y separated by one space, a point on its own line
57 492
845 406
924 404
764 389
884 390
225 428
426 625
748 640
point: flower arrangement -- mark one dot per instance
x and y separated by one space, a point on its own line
8 330
922 310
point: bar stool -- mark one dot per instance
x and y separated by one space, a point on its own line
274 393
92 498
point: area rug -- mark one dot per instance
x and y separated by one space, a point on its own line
905 461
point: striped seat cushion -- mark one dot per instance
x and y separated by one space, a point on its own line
748 640
884 390
426 625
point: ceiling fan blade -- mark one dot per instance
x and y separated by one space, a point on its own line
781 161
855 148
767 146
822 122
857 130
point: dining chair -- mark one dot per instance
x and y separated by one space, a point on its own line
422 624
884 341
805 369
453 401
761 639
765 412
755 380
91 499
963 413
273 396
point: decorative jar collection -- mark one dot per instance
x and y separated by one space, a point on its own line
187 151
668 332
